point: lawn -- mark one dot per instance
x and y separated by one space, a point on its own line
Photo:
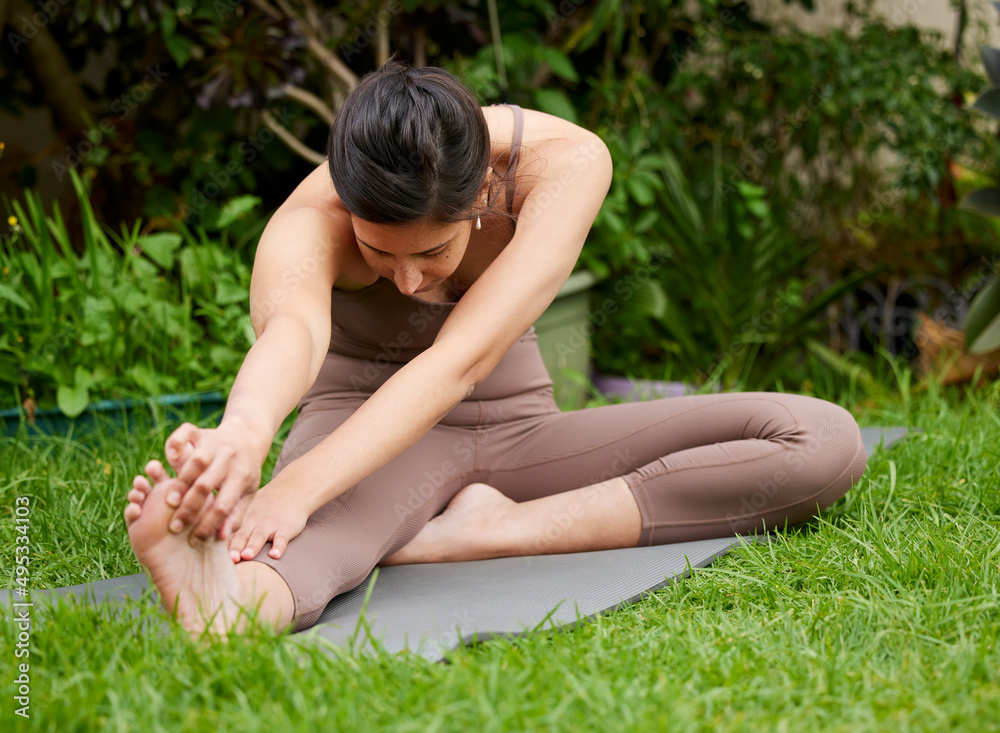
884 614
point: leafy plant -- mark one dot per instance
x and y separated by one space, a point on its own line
729 298
134 314
982 325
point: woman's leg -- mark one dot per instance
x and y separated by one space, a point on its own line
672 470
339 546
344 539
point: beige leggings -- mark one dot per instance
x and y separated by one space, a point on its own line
699 467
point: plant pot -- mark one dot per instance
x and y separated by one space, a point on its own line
116 413
564 339
943 354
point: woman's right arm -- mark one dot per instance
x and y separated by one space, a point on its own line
294 271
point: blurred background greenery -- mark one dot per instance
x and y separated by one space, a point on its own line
784 205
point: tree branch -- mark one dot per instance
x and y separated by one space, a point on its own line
310 100
47 64
293 143
267 8
382 39
420 46
341 71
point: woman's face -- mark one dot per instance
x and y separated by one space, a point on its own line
417 256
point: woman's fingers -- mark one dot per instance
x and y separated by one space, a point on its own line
235 518
256 541
233 486
226 530
240 537
200 488
237 542
278 545
186 434
200 458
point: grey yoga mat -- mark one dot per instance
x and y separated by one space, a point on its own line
430 609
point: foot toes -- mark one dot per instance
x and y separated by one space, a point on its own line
156 471
132 512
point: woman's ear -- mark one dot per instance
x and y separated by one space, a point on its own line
487 185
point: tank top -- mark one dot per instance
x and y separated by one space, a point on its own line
378 322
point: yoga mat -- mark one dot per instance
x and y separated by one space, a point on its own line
430 609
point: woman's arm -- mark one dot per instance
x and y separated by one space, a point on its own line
508 297
293 274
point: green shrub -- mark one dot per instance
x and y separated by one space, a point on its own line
133 315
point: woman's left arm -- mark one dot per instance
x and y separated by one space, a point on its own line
525 278
554 219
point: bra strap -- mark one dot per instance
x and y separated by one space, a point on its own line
515 153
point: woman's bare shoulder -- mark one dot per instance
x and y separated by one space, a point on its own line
549 145
539 127
315 191
316 221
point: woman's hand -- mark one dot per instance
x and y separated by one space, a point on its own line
222 460
270 515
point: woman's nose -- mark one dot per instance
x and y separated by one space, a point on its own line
408 279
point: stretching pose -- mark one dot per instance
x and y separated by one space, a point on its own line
393 297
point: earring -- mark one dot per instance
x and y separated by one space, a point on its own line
479 224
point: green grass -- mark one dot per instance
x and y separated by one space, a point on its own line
884 614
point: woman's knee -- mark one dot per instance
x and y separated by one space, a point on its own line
833 451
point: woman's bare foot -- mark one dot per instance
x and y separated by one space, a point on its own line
480 523
200 583
470 528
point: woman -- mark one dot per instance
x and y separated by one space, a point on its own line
393 296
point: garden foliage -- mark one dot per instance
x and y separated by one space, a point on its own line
758 175
133 315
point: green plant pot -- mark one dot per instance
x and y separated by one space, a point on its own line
564 339
171 408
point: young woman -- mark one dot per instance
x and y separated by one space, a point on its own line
393 297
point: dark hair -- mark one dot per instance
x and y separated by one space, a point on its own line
409 144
